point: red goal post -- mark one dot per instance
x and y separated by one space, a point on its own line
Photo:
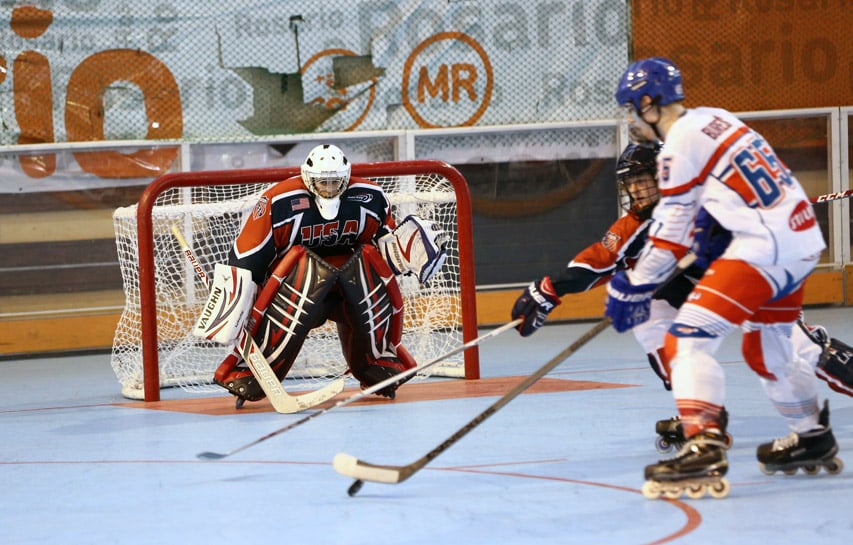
403 182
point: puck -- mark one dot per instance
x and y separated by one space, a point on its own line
355 487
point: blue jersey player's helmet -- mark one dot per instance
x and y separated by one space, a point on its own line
656 77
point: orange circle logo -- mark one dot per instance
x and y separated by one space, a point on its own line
335 98
456 83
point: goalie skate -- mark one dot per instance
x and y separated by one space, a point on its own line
809 451
699 468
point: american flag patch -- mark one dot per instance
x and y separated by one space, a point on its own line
611 241
261 207
300 203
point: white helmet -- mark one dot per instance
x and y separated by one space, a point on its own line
326 175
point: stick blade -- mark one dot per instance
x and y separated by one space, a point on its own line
207 455
312 399
350 466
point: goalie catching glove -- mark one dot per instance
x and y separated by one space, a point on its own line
414 247
228 306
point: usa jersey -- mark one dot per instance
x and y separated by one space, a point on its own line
713 159
286 215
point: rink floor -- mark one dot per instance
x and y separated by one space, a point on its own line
560 464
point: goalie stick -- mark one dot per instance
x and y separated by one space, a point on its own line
350 466
401 377
278 397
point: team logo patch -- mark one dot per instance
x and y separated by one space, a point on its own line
261 207
802 217
360 197
610 240
716 127
301 203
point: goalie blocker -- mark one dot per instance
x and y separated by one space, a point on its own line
361 296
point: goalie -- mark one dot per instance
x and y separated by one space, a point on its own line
321 246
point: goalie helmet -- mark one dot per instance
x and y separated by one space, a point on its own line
656 77
325 173
636 173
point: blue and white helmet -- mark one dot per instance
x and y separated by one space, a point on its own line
656 77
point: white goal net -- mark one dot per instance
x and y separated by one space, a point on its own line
208 209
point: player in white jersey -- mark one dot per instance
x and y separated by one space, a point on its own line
713 167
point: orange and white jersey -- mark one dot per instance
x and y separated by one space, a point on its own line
712 159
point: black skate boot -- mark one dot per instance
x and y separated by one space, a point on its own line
671 433
836 366
810 451
699 467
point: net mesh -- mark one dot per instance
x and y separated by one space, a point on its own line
210 218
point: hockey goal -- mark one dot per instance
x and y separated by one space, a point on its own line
153 347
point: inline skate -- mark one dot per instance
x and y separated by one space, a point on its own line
671 433
808 451
698 468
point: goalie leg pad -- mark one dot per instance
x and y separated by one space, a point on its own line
370 324
289 306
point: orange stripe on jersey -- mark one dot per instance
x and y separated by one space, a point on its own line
706 170
677 250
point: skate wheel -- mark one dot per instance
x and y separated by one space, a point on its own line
651 491
662 445
835 466
719 489
729 440
766 470
696 491
672 493
811 470
790 471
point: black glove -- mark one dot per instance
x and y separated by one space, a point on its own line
538 299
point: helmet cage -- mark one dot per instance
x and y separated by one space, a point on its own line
636 174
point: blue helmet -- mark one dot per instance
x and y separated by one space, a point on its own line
656 77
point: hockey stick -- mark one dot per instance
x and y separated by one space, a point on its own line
350 466
832 196
404 376
280 400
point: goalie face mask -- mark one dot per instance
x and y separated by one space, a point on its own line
326 173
